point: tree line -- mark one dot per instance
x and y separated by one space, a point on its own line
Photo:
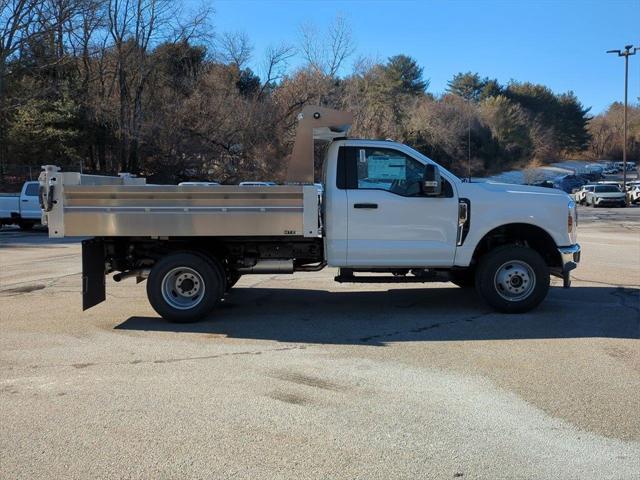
140 86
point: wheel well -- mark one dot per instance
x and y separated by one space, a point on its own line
520 234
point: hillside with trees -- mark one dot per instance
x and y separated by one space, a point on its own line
139 86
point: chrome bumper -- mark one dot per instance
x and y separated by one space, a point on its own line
570 257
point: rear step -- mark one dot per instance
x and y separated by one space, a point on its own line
346 275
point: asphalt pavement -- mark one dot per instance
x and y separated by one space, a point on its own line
297 377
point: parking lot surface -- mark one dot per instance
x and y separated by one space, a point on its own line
299 377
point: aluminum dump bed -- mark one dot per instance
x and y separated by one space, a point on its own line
100 206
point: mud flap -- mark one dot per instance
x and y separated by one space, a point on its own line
93 276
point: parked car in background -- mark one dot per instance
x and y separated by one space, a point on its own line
610 170
581 194
615 183
594 168
570 183
198 184
631 166
606 195
591 176
22 209
633 194
544 184
257 184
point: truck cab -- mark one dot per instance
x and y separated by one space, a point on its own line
377 213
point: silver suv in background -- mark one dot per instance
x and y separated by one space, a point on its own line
606 195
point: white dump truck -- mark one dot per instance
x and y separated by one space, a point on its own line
386 214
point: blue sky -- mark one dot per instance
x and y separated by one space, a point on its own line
561 44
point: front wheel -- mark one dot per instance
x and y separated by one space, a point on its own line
513 279
184 287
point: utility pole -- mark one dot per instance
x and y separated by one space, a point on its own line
628 51
469 139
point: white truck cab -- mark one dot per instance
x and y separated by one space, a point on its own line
22 209
385 209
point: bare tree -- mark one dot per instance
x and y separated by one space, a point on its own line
326 53
16 17
135 26
235 48
341 44
275 65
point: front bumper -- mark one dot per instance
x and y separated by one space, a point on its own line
610 201
570 257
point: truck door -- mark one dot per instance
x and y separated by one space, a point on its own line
390 222
29 202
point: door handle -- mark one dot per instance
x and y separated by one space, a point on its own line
365 205
25 200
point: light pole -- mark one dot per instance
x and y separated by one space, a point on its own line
628 51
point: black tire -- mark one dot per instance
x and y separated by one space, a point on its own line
25 226
175 303
527 264
463 278
217 267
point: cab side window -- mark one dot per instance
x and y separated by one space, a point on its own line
32 190
382 169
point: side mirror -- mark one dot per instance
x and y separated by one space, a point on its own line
431 182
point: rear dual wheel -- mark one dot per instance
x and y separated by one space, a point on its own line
185 286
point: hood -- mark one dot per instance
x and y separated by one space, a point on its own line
515 189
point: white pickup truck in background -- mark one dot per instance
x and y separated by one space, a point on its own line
22 209
387 214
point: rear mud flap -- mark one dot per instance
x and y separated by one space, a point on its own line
93 276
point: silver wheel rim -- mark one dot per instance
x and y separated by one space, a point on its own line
182 288
514 280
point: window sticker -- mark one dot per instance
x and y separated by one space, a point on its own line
386 168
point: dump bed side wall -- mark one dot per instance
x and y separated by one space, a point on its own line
96 208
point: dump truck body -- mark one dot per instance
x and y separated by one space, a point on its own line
91 205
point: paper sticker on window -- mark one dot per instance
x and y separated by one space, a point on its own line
387 168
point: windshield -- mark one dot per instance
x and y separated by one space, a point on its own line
608 189
416 153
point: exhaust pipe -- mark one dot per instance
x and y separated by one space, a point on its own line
311 268
268 266
140 274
